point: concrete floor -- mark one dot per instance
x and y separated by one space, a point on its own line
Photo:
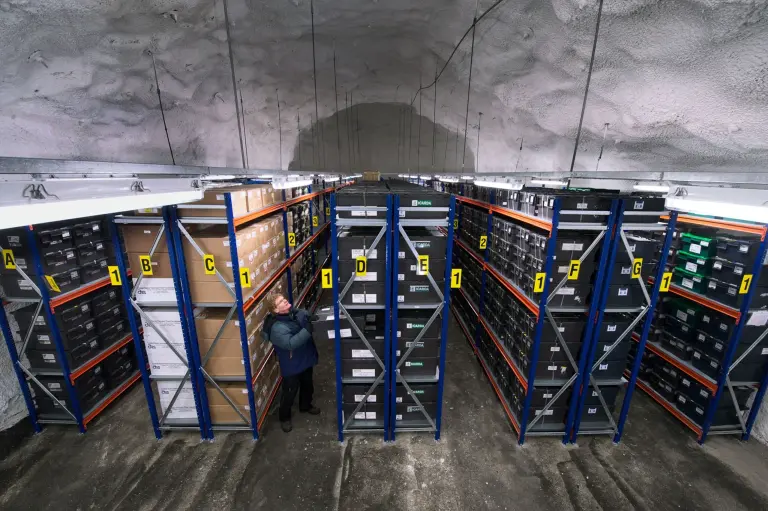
118 464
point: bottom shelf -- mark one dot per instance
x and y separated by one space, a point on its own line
272 395
671 408
488 373
101 405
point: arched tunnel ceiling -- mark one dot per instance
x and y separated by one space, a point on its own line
677 85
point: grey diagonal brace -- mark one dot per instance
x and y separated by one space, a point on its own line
416 400
581 259
158 236
28 335
736 404
225 396
208 354
27 278
44 389
367 254
202 254
416 255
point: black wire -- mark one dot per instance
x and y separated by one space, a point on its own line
586 89
234 80
279 128
469 90
455 48
336 96
298 136
434 118
245 131
418 147
162 110
314 62
479 121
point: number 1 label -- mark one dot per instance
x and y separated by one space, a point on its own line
326 279
114 276
456 278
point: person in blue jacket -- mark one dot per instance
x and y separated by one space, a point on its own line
290 332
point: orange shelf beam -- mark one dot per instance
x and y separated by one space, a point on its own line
516 215
269 403
669 407
759 230
81 291
262 365
115 394
496 389
263 289
100 358
503 352
279 206
675 362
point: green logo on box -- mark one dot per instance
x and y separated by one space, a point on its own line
422 203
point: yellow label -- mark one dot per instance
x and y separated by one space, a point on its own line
146 265
538 283
245 277
455 225
52 284
326 279
637 265
666 281
361 266
114 276
483 242
573 269
209 264
423 267
8 259
745 283
327 211
291 239
456 278
315 221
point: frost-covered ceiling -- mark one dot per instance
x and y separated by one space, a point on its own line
677 85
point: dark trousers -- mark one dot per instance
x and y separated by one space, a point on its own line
301 383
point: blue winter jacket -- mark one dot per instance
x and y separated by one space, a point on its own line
291 335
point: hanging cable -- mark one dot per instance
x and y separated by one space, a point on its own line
298 137
586 89
455 48
602 146
519 154
434 117
234 81
245 130
469 90
162 110
349 131
418 147
479 121
357 132
314 68
279 128
338 114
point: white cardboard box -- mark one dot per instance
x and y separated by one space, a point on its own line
155 290
167 321
184 406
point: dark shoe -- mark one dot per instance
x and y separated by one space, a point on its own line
312 411
286 426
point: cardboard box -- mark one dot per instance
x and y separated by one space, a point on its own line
255 200
216 199
214 240
236 392
160 262
155 290
225 414
140 238
163 361
208 322
165 320
184 406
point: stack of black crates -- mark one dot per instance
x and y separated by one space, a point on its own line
689 338
72 255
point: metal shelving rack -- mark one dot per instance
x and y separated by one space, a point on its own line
351 424
622 226
239 306
741 316
47 305
542 310
440 312
168 232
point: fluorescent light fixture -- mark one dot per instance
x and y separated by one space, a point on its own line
651 188
265 176
468 178
731 210
548 182
44 211
449 179
354 176
217 177
331 179
282 185
424 177
499 184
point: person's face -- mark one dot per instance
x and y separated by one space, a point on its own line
282 306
